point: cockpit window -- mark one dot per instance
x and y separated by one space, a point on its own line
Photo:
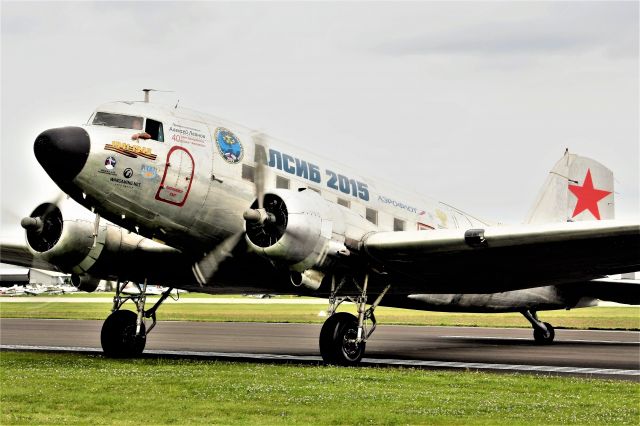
154 129
117 120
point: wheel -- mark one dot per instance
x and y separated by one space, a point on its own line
540 337
118 336
337 340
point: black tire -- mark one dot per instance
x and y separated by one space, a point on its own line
118 336
539 335
334 336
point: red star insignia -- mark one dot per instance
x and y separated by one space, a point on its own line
588 196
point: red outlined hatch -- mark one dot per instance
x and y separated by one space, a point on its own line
178 176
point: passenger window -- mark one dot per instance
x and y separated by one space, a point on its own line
154 129
345 203
398 225
282 182
248 172
372 216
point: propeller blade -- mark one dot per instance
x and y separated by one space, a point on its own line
259 177
205 269
259 184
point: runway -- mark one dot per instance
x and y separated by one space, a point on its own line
614 354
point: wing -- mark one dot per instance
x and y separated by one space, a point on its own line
504 258
18 254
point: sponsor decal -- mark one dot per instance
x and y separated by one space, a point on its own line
228 145
110 163
400 205
148 172
184 134
118 181
133 151
109 166
125 183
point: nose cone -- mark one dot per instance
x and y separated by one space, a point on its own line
62 152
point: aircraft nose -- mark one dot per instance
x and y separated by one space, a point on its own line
62 152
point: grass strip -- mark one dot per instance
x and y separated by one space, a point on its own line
622 318
42 388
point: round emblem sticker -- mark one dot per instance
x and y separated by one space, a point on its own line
109 163
228 145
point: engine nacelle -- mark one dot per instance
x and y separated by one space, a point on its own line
113 253
305 232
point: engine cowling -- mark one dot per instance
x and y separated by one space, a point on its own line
305 230
114 253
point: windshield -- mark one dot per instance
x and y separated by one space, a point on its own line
117 120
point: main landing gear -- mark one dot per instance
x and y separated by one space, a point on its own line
543 332
124 333
343 337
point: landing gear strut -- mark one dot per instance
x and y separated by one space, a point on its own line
343 337
543 332
124 333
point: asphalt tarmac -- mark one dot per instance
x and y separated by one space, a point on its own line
614 354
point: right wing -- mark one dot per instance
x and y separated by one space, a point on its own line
504 258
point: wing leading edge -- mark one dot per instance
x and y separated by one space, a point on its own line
505 257
18 254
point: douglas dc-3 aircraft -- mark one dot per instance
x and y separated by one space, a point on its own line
205 205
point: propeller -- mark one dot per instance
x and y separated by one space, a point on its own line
259 219
44 225
205 269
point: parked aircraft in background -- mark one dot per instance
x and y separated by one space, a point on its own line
206 205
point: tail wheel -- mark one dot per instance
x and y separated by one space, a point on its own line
338 340
543 338
118 336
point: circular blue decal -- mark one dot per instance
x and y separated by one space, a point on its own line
229 145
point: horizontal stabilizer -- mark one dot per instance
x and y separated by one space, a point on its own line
610 290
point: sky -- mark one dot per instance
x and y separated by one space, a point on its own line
468 103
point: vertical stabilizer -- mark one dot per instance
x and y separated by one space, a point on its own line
578 188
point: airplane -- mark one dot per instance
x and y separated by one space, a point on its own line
198 203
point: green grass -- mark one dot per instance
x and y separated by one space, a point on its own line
625 318
43 388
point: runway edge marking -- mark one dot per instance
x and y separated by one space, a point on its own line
365 361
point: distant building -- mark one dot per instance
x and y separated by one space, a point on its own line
48 278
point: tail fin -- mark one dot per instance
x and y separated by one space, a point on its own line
578 188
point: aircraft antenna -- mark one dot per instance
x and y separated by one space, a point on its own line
146 93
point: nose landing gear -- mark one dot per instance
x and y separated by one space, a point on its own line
124 333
